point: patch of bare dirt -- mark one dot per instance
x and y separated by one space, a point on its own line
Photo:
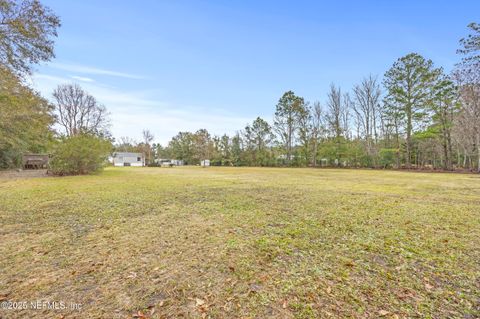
17 174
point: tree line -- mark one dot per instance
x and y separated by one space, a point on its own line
417 116
27 33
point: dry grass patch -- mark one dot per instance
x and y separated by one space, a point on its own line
243 243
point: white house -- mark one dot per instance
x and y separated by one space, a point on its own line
128 159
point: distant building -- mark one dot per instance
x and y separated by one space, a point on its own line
128 159
205 163
35 161
169 162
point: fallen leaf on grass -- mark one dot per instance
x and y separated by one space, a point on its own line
132 275
199 302
139 315
400 267
383 313
201 306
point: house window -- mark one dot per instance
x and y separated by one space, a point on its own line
139 159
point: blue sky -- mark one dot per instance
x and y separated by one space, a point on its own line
171 66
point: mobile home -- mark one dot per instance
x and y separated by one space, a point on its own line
128 159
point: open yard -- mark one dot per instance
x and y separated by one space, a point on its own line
242 243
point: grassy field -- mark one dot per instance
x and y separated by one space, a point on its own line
242 243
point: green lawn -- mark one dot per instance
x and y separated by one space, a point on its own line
243 243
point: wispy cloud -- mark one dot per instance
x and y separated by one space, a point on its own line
131 111
93 70
81 78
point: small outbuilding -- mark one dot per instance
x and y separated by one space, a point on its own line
128 159
169 162
205 163
35 161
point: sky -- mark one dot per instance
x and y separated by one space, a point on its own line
171 66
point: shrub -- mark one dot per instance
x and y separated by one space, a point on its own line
387 157
10 157
80 154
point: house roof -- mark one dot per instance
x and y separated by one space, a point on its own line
127 154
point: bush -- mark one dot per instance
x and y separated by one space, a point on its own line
10 157
387 157
80 154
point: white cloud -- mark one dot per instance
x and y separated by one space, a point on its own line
165 125
132 111
81 78
92 70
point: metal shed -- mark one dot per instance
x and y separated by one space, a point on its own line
35 161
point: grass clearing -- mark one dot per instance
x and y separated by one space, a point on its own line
243 243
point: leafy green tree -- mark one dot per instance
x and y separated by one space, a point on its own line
182 147
392 120
258 137
409 85
236 150
305 133
445 108
25 120
470 45
221 152
27 32
162 152
334 151
387 157
202 145
80 154
286 120
224 149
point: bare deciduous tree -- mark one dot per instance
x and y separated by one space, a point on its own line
467 76
126 144
366 101
467 128
305 131
337 117
147 139
317 126
335 110
78 111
